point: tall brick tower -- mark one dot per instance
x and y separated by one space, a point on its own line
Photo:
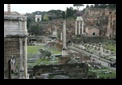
9 9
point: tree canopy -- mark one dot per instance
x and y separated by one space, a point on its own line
45 18
78 6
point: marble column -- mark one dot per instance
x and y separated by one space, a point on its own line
75 27
20 26
101 49
64 49
61 36
25 27
21 69
82 27
25 58
64 34
79 27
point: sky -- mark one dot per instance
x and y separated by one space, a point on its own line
29 8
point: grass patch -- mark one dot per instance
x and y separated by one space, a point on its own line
44 62
101 75
110 46
33 49
105 76
54 51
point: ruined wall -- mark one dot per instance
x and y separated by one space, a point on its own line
96 39
74 68
89 32
15 25
103 19
15 44
11 48
111 27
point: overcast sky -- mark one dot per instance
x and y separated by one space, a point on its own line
29 8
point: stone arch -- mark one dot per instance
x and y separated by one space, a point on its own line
38 18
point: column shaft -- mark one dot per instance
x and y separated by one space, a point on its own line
25 58
79 27
21 60
82 27
75 27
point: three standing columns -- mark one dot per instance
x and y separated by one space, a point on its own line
78 27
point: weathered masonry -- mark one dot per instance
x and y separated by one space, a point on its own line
70 69
15 46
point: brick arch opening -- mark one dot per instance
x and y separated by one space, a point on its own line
110 12
94 33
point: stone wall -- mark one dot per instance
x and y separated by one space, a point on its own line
95 39
15 25
11 48
74 68
91 31
103 19
15 45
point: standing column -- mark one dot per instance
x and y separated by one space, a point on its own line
64 50
20 25
79 27
61 36
21 69
25 58
101 49
76 27
25 26
82 26
64 34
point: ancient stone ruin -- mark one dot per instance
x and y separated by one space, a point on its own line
15 46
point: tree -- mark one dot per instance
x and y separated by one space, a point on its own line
45 18
112 5
55 14
91 6
36 28
87 6
96 5
69 12
63 15
78 6
103 5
